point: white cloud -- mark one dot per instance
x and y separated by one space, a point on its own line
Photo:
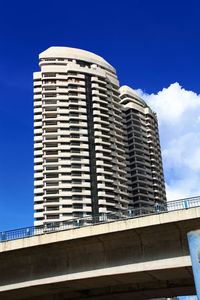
178 112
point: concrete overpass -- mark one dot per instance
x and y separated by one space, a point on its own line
136 258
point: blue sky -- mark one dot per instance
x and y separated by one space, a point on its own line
154 45
188 298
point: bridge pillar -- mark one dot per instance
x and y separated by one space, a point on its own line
194 246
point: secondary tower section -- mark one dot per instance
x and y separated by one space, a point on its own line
144 162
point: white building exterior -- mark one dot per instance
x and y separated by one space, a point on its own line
81 140
79 153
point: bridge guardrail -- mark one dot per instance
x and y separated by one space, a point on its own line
100 218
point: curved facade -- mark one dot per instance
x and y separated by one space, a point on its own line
144 163
79 157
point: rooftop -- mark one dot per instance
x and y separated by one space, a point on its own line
73 53
126 90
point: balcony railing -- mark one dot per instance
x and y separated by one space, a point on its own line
100 218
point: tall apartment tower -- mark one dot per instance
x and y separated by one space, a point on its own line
79 157
145 179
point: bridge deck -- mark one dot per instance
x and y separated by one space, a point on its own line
138 257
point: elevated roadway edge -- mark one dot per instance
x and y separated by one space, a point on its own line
137 258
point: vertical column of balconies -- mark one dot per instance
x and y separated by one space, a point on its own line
139 160
51 146
38 159
155 158
78 146
67 184
65 148
127 177
118 150
110 160
103 150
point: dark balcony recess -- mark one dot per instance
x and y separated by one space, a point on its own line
92 156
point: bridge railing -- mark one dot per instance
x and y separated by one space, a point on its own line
100 218
183 203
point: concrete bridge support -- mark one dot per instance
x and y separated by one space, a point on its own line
139 258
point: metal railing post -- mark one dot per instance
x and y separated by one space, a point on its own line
3 235
130 213
78 222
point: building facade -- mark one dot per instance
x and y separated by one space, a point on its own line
146 187
82 144
79 154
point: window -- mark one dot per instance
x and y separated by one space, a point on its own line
52 200
75 107
53 217
51 175
72 86
75 150
74 121
77 197
77 189
76 166
52 192
50 208
49 74
76 181
73 100
78 206
74 114
74 136
78 214
75 143
73 94
78 158
74 128
74 173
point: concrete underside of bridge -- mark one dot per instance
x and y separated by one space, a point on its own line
140 258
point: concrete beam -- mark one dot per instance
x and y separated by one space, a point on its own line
143 257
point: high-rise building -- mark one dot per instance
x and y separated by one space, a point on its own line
79 152
146 187
85 157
